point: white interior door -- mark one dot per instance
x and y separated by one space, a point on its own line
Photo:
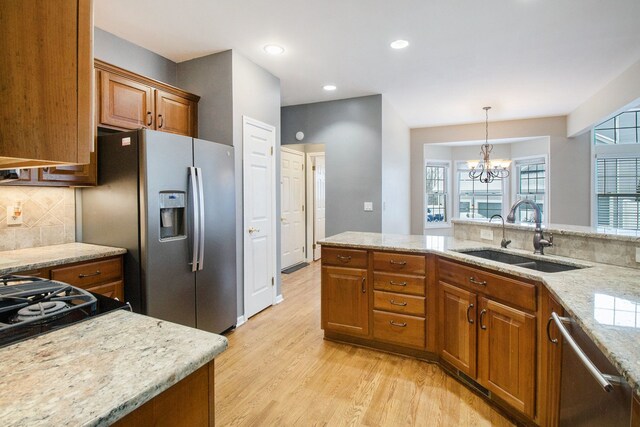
292 209
319 204
259 210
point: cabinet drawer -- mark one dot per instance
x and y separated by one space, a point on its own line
399 329
86 274
398 303
344 257
400 263
503 288
113 290
399 283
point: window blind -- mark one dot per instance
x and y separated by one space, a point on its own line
618 192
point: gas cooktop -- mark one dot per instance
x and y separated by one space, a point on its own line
31 305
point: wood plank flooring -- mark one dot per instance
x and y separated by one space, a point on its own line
278 371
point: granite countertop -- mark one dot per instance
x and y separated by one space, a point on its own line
599 298
598 232
49 256
94 372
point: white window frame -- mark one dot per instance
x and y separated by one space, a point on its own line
463 166
518 161
448 204
606 151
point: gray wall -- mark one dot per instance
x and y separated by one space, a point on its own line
211 78
230 87
120 52
351 130
570 169
396 176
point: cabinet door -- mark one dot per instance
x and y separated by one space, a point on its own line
550 361
124 103
457 329
506 354
113 290
345 300
175 114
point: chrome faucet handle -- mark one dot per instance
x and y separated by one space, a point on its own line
547 242
504 243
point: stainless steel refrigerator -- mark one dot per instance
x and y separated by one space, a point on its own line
170 201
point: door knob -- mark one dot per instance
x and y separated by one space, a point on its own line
253 230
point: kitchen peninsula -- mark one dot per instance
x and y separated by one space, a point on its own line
423 297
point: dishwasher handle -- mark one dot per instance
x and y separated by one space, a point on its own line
603 379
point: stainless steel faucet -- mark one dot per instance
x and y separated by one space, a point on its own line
504 243
539 242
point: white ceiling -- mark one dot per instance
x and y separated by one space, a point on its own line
526 58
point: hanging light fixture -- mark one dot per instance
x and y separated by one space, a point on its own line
486 170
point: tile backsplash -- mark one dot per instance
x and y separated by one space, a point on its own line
48 217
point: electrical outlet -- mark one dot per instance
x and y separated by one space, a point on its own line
368 206
637 254
486 234
14 214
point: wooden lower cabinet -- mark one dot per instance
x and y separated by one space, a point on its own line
189 403
506 354
345 300
104 276
457 329
483 326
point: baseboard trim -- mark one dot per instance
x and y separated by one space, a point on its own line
241 321
279 299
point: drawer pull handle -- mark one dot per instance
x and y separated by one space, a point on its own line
477 282
397 262
482 313
150 118
401 304
97 273
363 287
400 325
391 282
344 258
551 340
161 120
469 319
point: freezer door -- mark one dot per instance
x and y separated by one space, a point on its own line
168 282
216 288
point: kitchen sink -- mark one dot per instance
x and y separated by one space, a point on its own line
521 261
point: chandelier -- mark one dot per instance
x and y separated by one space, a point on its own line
486 170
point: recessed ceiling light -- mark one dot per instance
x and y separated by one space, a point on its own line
274 49
329 87
399 44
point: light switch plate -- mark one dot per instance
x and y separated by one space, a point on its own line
486 234
637 254
368 206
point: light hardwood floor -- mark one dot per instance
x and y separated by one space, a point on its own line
278 371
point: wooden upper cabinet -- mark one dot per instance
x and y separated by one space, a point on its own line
507 354
457 329
175 114
125 103
46 82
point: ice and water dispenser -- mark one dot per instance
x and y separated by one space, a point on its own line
172 215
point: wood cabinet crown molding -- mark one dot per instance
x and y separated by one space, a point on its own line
105 66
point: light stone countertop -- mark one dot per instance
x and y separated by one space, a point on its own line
586 294
50 256
599 232
94 372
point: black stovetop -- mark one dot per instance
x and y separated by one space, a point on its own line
30 306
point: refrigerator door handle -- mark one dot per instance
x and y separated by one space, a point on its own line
202 229
194 218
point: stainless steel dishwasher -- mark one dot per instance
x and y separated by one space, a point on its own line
589 397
